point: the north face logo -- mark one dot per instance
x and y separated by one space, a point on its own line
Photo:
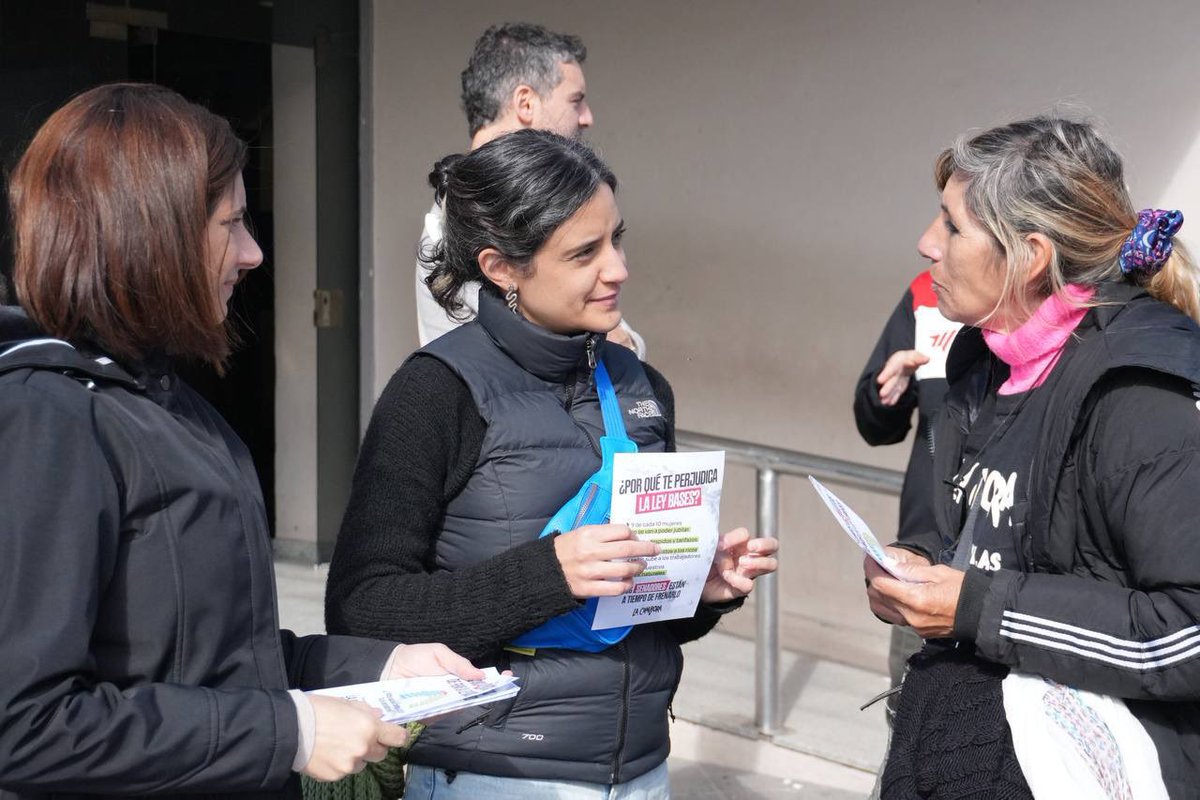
644 409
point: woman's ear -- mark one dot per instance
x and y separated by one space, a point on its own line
496 268
1041 251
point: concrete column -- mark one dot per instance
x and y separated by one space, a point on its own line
295 154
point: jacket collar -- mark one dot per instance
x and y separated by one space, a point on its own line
1111 300
25 346
550 356
15 326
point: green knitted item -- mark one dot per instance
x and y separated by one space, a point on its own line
379 781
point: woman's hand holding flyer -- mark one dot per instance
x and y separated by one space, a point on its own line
673 500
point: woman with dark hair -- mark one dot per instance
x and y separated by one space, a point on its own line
1059 595
476 442
142 653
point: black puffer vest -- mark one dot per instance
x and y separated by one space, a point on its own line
598 717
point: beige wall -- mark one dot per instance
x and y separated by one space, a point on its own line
775 167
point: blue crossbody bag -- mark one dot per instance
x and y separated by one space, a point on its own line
589 506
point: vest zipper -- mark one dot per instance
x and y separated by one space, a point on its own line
569 390
615 777
586 504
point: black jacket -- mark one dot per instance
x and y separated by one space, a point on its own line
881 425
1108 595
141 647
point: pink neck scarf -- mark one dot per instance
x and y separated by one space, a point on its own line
1032 350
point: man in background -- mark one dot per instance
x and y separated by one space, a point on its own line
907 372
520 76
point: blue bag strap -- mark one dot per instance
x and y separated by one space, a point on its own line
572 630
614 426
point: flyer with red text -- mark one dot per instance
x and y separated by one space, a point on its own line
674 500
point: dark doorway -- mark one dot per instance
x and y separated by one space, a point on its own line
233 79
53 49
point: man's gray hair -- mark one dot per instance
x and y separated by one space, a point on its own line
511 55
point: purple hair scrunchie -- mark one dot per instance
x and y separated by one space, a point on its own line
1149 245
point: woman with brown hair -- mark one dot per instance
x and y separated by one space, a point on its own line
142 653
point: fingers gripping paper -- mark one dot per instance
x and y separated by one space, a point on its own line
674 500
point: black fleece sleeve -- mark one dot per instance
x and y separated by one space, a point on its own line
316 662
879 424
419 450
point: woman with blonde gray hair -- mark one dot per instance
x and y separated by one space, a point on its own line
1059 594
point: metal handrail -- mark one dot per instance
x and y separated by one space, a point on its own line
793 462
769 462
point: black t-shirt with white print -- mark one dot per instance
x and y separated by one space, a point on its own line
994 474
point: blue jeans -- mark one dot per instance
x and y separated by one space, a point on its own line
428 783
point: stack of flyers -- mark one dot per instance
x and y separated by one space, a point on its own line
409 699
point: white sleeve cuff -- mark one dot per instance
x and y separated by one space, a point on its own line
307 724
385 674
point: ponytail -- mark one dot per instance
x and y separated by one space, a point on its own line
1178 283
446 279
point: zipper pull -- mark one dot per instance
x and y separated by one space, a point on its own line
591 350
879 697
477 721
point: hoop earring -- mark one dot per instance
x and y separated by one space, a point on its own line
510 297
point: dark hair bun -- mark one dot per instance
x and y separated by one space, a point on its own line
439 178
